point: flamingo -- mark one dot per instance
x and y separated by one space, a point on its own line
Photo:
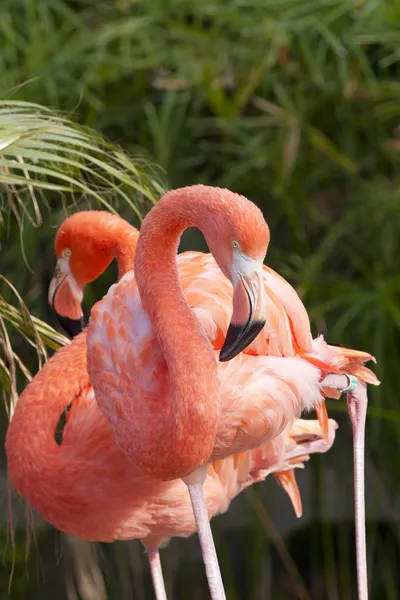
287 329
88 487
169 450
288 333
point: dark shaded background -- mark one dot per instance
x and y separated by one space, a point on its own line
296 105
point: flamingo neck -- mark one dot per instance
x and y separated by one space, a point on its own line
124 251
120 239
35 419
190 430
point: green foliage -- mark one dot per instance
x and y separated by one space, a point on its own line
44 152
293 103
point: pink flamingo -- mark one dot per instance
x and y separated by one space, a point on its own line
171 440
78 264
291 337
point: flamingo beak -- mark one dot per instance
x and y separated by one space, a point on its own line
247 318
65 297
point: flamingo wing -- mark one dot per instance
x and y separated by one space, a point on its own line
260 396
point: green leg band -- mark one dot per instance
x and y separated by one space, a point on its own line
353 383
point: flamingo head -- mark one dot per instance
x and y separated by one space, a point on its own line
82 255
238 238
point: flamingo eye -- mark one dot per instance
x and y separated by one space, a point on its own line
235 244
66 253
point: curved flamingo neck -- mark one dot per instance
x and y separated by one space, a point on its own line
190 430
124 251
156 269
120 239
35 419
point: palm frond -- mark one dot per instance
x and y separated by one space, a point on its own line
35 332
44 156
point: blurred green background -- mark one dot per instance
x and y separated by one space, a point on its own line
293 103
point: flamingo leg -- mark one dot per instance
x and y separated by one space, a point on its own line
156 573
357 402
195 486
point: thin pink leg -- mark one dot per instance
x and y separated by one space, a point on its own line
357 402
156 573
195 486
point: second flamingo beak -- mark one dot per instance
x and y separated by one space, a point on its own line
65 297
247 318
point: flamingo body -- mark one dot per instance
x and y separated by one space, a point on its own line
153 349
259 395
89 488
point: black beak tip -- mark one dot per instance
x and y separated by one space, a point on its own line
71 326
224 355
232 342
238 338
